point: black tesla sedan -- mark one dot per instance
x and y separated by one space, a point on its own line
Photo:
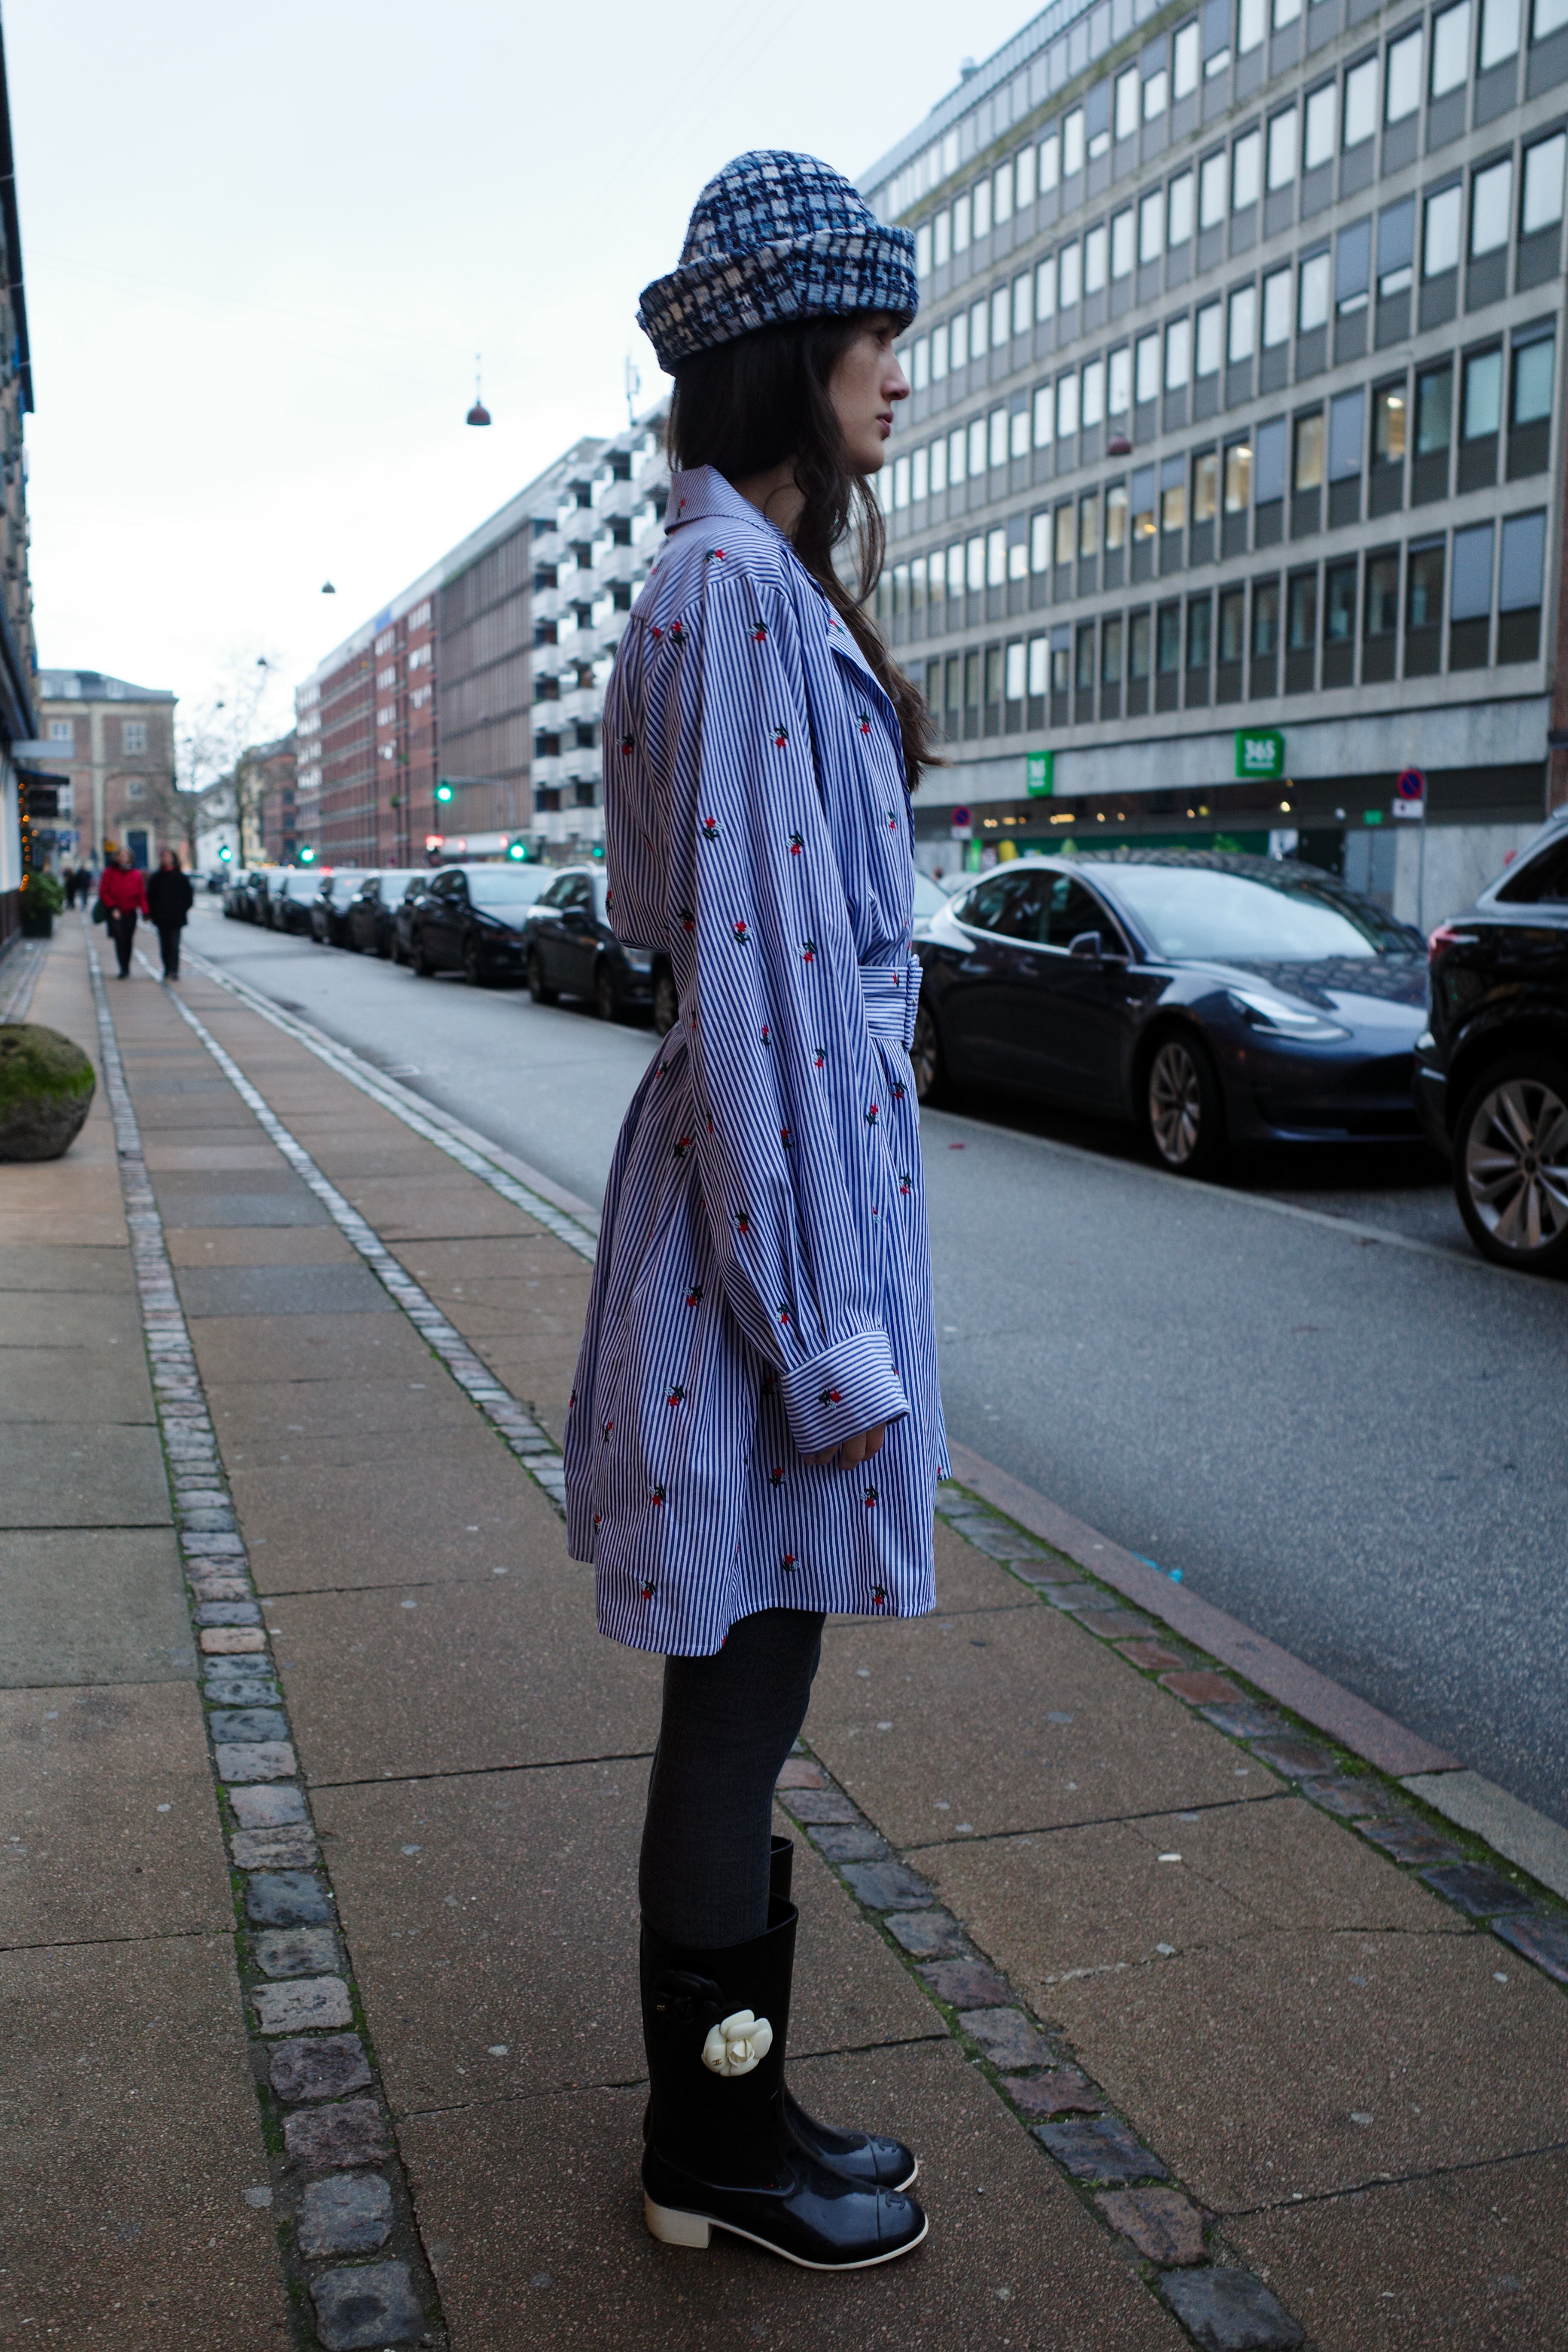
572 952
371 921
1491 1079
472 918
1212 999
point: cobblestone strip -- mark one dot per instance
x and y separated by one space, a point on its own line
355 2269
348 1065
532 1445
18 978
1179 2250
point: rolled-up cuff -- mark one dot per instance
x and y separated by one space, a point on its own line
850 1388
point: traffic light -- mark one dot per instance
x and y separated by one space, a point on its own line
307 856
518 849
443 790
224 852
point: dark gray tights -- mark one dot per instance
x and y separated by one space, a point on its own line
728 1722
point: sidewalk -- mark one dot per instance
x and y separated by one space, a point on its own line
1057 1877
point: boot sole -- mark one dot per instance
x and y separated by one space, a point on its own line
672 2227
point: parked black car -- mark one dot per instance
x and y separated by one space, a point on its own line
406 915
234 903
572 952
289 897
371 921
1212 999
1491 1077
329 907
253 895
473 919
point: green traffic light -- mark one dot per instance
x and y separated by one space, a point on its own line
443 792
517 849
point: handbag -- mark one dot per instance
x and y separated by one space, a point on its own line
100 911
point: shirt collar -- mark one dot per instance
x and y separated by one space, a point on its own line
704 495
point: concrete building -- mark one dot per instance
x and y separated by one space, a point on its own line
1230 490
466 715
114 744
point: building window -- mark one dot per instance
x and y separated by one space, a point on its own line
1492 207
1301 631
1424 612
1116 517
134 788
1179 209
1178 353
1361 102
133 735
62 731
1211 190
1206 486
1208 338
1317 141
1499 31
1251 22
1092 403
1338 624
1238 477
1402 86
1314 297
1282 149
1542 204
1450 48
1440 244
1470 598
1245 159
1529 405
1122 242
1151 226
1243 327
1276 309
1519 575
1547 16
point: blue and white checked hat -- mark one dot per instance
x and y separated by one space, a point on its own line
773 237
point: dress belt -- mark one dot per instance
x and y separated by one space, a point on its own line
891 992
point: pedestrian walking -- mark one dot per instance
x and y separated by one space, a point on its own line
123 894
169 898
70 884
755 1430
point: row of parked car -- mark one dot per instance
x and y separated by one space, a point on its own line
1209 999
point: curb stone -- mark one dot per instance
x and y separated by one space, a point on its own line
395 2298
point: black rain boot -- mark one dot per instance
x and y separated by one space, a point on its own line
719 2153
860 2155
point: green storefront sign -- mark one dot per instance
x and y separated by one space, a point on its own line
1041 765
1259 752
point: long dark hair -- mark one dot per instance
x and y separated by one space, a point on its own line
747 406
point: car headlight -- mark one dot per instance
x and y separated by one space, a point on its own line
1276 1016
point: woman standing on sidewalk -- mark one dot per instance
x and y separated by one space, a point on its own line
755 1432
169 897
124 893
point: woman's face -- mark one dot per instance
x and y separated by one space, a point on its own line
866 381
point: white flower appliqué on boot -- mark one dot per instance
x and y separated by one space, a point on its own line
736 2044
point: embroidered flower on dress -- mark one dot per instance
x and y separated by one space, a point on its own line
740 932
709 830
808 950
871 1115
819 1056
865 722
870 1498
879 1597
797 843
899 1091
649 1591
628 745
694 1296
675 1396
906 1183
681 1146
781 735
787 1562
828 1396
657 1497
737 2044
776 1475
758 633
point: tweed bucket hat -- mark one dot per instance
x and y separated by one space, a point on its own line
773 236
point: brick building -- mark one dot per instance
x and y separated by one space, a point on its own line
18 652
113 743
483 681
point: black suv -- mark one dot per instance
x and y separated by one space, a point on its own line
1491 1072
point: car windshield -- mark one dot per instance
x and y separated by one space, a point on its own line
1202 911
929 895
508 885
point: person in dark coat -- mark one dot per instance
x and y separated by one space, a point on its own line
169 896
124 893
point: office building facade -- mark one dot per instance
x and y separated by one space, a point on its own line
1227 504
466 716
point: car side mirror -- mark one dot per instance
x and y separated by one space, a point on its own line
574 918
1088 945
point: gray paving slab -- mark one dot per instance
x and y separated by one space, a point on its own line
231 1349
37 1317
113 1831
266 1419
454 1510
1463 2257
49 1265
132 2137
78 1607
350 1289
257 1246
296 1207
531 2213
65 1383
479 1674
1313 2064
1022 1722
446 1204
65 1474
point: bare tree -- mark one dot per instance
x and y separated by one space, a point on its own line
220 744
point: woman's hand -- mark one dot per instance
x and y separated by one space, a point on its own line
858 1448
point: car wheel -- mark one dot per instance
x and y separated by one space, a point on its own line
473 964
607 995
422 963
1511 1164
1182 1110
926 1060
666 1001
536 987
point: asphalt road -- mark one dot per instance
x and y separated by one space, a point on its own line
1300 1389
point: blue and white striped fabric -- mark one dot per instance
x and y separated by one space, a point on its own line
762 1288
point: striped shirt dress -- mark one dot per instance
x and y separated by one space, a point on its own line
762 1284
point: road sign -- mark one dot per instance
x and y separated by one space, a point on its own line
1259 752
1041 775
1410 794
963 824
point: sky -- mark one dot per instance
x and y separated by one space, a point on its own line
263 246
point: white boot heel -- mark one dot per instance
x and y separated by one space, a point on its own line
672 2228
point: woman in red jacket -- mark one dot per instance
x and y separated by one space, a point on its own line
124 893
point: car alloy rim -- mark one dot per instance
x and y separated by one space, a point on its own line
922 1054
1516 1164
1175 1103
